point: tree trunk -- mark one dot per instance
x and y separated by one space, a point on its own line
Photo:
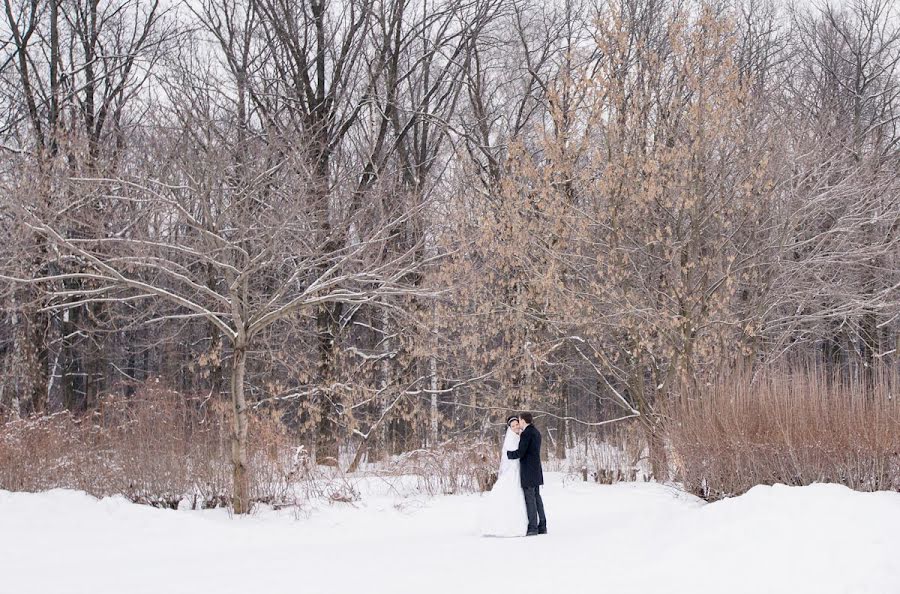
433 436
384 432
870 349
561 425
659 459
241 489
31 341
326 445
357 459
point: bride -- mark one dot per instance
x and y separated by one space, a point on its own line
504 507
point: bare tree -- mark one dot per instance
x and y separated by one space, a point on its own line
76 68
250 226
837 286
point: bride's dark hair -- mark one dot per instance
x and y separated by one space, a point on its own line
510 418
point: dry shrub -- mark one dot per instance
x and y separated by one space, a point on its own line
49 452
280 466
156 447
791 428
458 467
618 455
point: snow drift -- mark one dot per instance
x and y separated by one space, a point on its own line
625 538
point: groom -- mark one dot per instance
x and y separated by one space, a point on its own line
529 456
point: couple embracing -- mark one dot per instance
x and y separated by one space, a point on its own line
514 506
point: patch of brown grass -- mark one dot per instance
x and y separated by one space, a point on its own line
156 447
793 428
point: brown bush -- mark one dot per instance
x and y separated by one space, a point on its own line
792 428
156 447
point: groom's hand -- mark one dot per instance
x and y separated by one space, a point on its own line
512 454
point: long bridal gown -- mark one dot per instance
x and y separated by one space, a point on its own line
504 512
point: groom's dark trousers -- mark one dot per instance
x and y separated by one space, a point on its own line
534 505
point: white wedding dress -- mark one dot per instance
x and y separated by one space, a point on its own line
504 512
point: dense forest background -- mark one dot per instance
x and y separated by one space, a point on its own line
386 223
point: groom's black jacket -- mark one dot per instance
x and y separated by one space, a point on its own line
529 455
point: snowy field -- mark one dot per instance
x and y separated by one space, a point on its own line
638 538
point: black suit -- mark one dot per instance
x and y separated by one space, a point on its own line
532 477
529 455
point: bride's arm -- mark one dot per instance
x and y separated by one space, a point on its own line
524 442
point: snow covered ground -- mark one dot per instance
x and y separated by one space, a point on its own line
626 538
